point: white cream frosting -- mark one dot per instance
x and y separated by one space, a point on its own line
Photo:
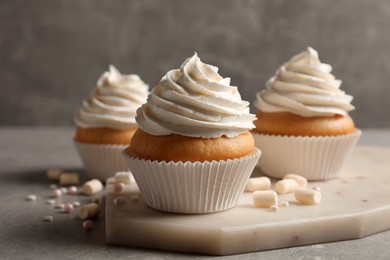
114 101
306 87
195 101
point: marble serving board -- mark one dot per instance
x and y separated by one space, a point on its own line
355 205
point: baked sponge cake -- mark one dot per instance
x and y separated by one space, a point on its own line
303 123
105 122
193 151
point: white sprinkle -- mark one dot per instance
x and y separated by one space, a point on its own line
284 204
76 204
48 219
135 198
50 202
119 201
317 188
59 206
64 190
53 186
31 197
87 224
274 208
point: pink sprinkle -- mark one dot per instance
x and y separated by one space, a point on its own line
72 190
57 193
118 187
87 224
68 208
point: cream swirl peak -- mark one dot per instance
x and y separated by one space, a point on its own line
195 101
306 87
114 101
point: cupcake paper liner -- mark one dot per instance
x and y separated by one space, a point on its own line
314 157
101 161
199 187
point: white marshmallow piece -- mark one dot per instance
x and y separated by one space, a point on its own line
307 196
69 178
93 186
124 177
265 198
54 174
286 186
302 181
89 211
259 183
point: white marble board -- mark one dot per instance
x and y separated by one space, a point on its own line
355 205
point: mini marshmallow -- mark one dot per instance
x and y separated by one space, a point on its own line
125 177
301 181
286 186
308 197
89 211
259 183
69 178
93 186
54 174
265 199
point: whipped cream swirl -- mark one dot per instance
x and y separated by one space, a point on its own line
306 87
114 101
195 101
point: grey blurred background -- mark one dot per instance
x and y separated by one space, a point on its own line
53 51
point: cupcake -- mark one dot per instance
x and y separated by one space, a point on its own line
193 152
303 124
106 122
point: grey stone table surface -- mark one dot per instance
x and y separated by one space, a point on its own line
25 155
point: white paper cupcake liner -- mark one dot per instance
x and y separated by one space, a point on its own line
316 158
101 161
192 187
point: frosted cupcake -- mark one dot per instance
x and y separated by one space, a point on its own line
106 122
303 124
193 152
